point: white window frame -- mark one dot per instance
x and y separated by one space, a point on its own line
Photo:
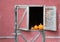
43 13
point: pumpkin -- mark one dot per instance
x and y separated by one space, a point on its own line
35 27
40 27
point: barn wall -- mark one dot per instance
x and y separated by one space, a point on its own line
7 20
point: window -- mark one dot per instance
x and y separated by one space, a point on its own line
37 14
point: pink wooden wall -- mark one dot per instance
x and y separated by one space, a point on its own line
7 19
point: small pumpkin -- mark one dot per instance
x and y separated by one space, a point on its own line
40 27
35 27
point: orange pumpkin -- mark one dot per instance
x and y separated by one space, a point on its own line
35 27
40 27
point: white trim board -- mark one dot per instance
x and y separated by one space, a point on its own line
13 37
6 37
52 36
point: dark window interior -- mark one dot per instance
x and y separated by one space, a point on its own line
35 16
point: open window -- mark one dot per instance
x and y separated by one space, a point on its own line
35 15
